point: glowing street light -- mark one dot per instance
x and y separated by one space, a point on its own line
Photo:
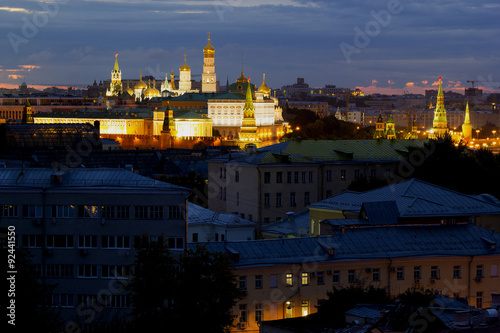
477 132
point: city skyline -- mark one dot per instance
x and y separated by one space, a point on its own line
388 46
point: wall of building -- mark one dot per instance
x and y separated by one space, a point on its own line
395 274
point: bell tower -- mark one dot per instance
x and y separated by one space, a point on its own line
208 78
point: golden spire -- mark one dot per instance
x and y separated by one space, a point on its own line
242 78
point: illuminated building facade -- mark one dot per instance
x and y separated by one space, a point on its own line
135 121
286 278
227 111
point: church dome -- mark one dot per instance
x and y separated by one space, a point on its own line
209 50
263 87
184 67
140 85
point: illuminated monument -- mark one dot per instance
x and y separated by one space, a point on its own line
115 88
440 123
208 78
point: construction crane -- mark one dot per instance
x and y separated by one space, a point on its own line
473 82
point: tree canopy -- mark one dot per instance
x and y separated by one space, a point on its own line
166 292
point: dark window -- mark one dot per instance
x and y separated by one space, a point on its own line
267 177
279 177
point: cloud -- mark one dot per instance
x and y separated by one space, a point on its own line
15 76
435 83
390 82
40 57
15 10
425 82
410 84
374 82
29 67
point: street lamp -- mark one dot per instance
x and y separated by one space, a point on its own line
494 132
477 131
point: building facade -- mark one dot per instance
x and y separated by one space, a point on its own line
289 176
285 278
80 228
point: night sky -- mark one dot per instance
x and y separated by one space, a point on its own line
387 46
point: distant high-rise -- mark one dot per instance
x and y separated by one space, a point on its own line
209 81
440 123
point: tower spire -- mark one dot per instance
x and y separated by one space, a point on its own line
116 63
467 116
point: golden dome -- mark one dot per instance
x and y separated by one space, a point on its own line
242 78
155 91
140 85
263 87
184 67
209 49
149 92
128 89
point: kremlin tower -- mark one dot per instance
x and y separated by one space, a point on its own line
440 123
379 127
208 78
467 127
115 88
248 132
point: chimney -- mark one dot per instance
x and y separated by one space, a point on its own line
461 319
495 301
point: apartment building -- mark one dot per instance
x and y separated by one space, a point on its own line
264 185
80 227
285 278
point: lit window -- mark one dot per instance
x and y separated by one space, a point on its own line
305 278
289 279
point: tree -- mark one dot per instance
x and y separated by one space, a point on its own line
208 288
339 301
153 285
168 293
454 166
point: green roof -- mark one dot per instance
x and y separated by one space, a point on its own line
316 151
188 115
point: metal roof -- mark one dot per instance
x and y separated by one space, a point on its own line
316 151
200 215
413 198
295 225
365 243
79 177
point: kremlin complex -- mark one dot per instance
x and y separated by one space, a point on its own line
139 115
145 113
